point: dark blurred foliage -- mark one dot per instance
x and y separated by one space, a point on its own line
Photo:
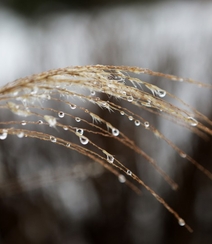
31 8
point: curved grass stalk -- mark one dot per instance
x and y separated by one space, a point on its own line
35 100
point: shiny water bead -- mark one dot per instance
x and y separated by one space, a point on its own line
161 93
73 106
183 155
61 114
3 136
79 131
20 134
192 121
23 122
77 119
53 139
181 222
129 98
122 178
137 122
110 158
84 140
115 131
129 172
146 124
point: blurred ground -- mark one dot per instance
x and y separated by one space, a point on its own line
171 37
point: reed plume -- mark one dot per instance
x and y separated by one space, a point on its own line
46 105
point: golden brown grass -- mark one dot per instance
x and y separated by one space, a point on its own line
35 102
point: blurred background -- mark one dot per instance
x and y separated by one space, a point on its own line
71 200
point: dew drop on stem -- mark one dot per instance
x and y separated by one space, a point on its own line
84 140
115 131
121 178
23 122
20 134
53 139
79 131
137 122
73 106
129 172
146 124
77 119
3 136
192 121
61 114
181 222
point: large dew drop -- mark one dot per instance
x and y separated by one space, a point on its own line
137 122
3 136
79 131
84 140
181 222
73 106
53 139
146 124
77 119
115 131
161 93
20 134
129 172
192 121
121 178
61 114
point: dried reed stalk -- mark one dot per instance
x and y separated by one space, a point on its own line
76 88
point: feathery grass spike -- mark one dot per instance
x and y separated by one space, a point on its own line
34 98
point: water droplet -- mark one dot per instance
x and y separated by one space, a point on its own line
161 93
84 140
129 98
23 122
77 119
61 114
20 134
65 127
40 122
137 122
79 131
130 118
93 93
110 158
3 136
192 121
122 112
53 139
122 178
181 222
129 172
115 131
67 144
146 124
183 155
73 106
